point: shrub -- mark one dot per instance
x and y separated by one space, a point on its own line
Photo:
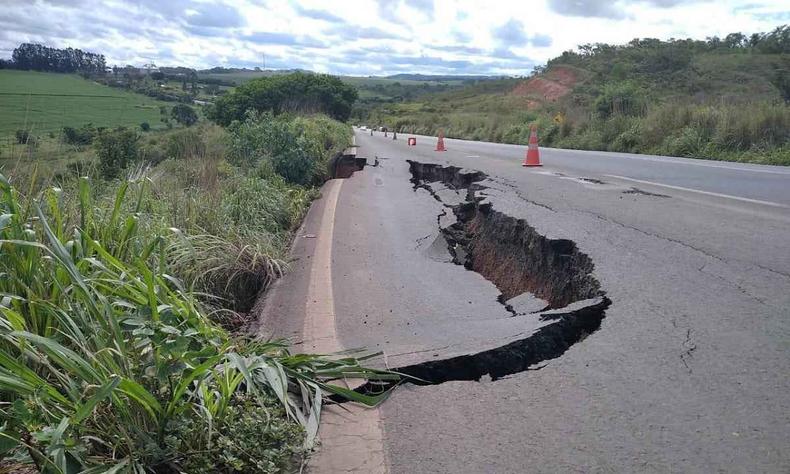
297 148
79 136
108 363
185 144
629 140
624 98
23 137
145 126
116 150
252 437
184 114
297 92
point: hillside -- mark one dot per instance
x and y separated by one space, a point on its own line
373 90
718 99
43 102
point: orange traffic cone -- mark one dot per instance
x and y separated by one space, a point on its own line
440 142
533 155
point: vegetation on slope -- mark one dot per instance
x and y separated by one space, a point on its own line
716 99
297 93
42 102
128 271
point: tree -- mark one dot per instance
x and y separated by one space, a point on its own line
23 137
38 57
297 92
735 40
116 150
184 114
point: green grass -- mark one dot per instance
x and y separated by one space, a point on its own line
109 363
46 102
667 98
117 299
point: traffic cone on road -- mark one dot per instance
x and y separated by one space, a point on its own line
440 142
533 155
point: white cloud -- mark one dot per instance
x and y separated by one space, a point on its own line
368 36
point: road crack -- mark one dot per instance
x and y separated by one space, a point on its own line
516 259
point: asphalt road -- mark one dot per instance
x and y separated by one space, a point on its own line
688 372
768 184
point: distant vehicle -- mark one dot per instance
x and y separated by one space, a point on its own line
363 127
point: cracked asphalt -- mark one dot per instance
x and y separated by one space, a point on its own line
689 370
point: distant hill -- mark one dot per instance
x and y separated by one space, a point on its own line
723 98
45 102
439 77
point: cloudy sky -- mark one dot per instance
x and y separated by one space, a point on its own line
370 37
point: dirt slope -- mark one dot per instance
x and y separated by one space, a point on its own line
548 87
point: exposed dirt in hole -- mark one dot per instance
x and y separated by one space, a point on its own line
508 251
515 257
343 166
548 342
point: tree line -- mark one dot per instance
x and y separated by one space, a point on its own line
678 50
297 92
37 57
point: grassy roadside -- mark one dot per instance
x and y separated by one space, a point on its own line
719 99
121 296
751 132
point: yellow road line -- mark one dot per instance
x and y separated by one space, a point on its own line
351 437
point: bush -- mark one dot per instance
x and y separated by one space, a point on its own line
185 144
629 140
298 148
23 137
184 114
145 126
79 136
623 98
297 92
253 437
116 150
110 364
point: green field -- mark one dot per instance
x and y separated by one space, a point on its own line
46 102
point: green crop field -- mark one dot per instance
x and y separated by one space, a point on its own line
45 102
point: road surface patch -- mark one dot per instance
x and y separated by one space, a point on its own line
518 261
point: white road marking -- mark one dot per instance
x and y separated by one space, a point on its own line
699 191
625 156
679 161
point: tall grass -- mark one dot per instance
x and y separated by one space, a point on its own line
297 148
115 302
105 355
235 224
756 132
